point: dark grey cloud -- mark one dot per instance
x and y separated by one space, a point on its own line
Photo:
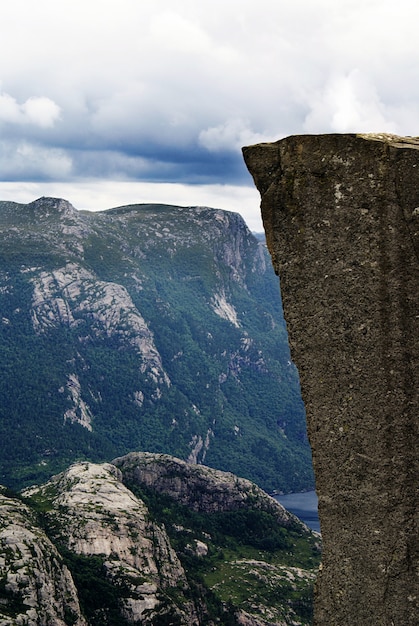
156 163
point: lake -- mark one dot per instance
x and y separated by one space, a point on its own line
304 506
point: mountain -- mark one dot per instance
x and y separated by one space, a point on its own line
127 543
145 327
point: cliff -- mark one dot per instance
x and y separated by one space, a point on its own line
341 214
33 580
101 544
92 514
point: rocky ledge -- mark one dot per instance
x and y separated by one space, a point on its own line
198 487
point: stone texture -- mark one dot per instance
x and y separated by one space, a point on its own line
94 514
36 588
341 214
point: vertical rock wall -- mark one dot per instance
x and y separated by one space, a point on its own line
341 214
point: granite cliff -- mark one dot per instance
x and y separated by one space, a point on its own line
147 540
341 214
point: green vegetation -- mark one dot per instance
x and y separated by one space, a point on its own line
232 386
251 560
99 597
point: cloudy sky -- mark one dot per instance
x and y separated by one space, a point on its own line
110 102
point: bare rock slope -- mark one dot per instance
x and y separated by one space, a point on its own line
36 588
94 514
341 214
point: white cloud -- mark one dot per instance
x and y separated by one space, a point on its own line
9 109
24 160
163 88
177 33
39 111
230 136
348 103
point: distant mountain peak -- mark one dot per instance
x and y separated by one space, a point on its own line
46 205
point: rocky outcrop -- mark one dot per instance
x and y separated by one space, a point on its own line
36 588
198 487
94 514
100 544
341 214
71 295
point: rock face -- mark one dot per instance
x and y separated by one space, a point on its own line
198 487
341 214
93 514
36 588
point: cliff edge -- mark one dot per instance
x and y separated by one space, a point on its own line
341 214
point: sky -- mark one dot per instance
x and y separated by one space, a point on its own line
113 102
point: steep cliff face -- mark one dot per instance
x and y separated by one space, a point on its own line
147 327
341 214
93 514
36 588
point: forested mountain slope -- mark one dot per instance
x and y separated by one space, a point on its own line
146 327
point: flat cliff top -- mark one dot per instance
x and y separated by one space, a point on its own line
264 166
394 140
397 141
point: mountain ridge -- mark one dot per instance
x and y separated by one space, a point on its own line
151 327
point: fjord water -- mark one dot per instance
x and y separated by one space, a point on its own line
304 506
